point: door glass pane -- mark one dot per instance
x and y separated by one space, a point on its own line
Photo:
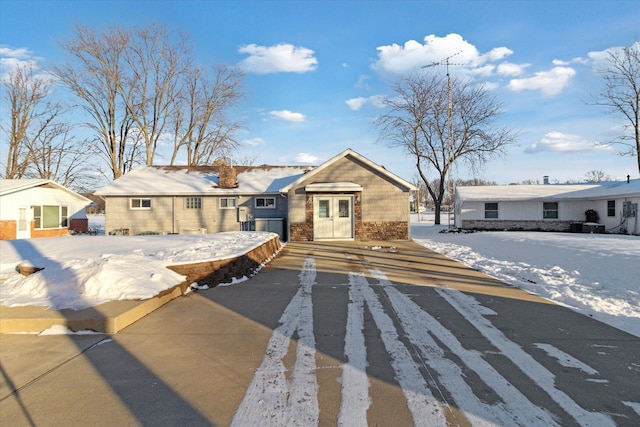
343 209
323 209
22 219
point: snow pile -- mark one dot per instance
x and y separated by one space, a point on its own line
84 271
595 274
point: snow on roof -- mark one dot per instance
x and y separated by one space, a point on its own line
183 180
599 190
9 186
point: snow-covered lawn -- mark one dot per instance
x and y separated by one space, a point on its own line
595 274
84 271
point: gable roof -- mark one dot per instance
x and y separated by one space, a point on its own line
360 158
601 190
11 186
200 180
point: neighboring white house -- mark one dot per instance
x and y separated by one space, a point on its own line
550 207
39 208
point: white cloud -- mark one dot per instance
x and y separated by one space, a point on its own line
558 142
253 142
550 82
288 116
280 58
357 103
510 69
306 158
11 58
400 59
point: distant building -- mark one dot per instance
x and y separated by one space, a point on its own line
348 197
550 207
39 208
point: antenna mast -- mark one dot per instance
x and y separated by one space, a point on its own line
446 62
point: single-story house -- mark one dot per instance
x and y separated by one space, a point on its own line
550 207
347 197
39 208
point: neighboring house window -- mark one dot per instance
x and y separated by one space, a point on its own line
611 208
550 210
49 216
194 202
140 203
227 203
265 202
64 217
491 210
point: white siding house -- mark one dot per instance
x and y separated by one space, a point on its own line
550 207
39 208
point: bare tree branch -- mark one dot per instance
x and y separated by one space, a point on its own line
440 121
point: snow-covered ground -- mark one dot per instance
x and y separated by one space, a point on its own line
84 271
595 274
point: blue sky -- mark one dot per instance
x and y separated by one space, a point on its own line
316 69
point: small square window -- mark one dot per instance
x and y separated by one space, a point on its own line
265 202
194 202
227 203
491 210
550 210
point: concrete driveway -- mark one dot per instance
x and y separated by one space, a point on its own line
349 333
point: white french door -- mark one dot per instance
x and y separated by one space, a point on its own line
23 230
333 217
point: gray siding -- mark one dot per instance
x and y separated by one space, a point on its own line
169 214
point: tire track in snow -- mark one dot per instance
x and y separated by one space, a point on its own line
425 409
355 384
515 408
270 399
471 310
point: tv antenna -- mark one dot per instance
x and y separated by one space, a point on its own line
446 63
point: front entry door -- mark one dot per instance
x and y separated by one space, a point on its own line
23 230
333 217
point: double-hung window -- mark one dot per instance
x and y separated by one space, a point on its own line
550 210
611 208
491 210
228 203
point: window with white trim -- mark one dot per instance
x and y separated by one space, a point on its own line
193 202
49 216
139 203
228 203
265 202
491 210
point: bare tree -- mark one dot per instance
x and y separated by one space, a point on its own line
26 95
442 120
95 74
621 95
201 124
140 87
157 62
596 176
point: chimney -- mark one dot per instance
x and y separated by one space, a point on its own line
628 178
545 179
227 176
